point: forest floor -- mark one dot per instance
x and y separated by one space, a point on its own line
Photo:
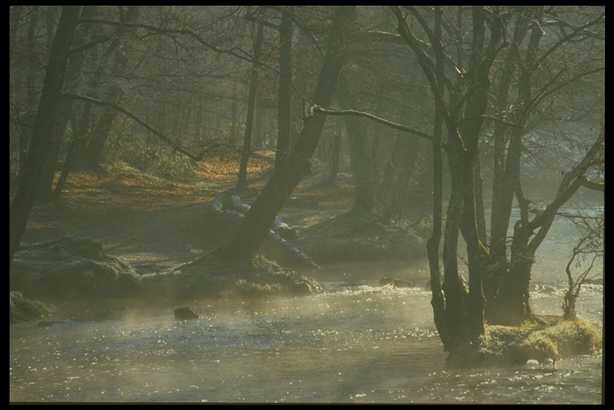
151 222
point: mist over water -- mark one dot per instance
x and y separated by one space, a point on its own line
356 342
367 343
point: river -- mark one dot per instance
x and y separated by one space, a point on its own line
361 344
353 343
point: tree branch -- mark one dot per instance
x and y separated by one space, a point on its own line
567 38
89 44
231 51
145 125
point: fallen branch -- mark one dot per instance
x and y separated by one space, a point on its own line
317 109
596 186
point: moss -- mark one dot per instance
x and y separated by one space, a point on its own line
512 345
572 337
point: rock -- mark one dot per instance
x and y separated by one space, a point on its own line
287 232
185 313
397 283
543 288
48 323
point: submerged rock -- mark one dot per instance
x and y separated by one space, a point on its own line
532 364
185 313
48 323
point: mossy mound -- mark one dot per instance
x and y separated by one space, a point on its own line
73 267
23 309
566 338
74 271
514 345
213 277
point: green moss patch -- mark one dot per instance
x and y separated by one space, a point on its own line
514 345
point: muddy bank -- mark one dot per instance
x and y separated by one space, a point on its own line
351 238
201 228
77 271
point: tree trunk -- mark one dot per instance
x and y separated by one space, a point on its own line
335 154
56 134
508 181
512 303
47 111
395 187
32 74
267 205
92 155
80 130
454 290
433 244
251 102
234 127
15 135
362 171
499 219
285 84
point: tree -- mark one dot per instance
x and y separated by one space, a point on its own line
589 246
48 109
462 113
62 117
284 101
251 102
262 213
91 152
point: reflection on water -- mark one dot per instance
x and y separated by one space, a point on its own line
360 344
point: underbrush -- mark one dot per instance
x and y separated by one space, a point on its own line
152 158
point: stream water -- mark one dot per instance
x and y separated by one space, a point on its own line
359 343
